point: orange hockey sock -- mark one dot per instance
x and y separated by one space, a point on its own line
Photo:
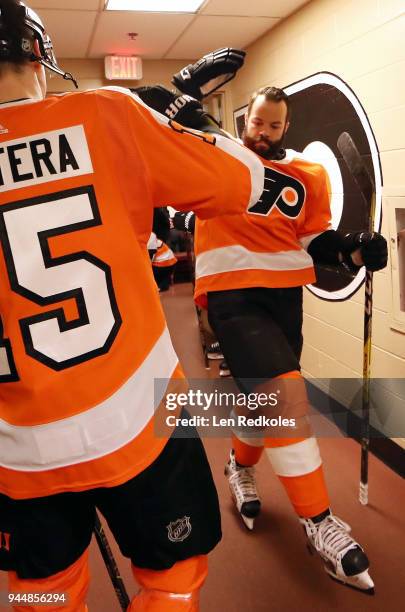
308 493
73 582
298 465
247 452
293 374
173 590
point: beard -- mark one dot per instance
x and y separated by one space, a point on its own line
268 149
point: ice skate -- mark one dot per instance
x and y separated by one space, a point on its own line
224 369
214 351
345 560
243 490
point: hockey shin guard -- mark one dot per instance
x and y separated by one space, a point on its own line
73 582
172 590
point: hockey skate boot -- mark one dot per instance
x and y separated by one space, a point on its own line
224 369
344 558
214 351
243 490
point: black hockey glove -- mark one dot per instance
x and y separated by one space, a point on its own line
184 109
185 222
209 73
373 249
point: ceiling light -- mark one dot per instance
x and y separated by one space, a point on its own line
154 6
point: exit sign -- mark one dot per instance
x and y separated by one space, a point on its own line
122 67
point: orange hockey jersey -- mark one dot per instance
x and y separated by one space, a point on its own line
164 257
266 247
82 334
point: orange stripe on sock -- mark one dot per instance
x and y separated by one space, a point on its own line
292 374
245 454
308 494
277 442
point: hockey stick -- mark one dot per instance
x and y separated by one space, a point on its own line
191 258
366 186
111 564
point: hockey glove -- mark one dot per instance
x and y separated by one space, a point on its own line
184 109
373 250
185 222
209 73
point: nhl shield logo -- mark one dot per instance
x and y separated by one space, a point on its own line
179 530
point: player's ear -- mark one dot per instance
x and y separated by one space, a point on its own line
287 125
38 69
36 49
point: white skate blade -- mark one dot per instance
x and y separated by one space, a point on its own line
361 582
249 522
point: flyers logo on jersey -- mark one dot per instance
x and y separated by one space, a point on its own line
280 191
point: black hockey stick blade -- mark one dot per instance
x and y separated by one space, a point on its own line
356 166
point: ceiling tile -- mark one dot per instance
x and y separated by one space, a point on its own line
70 30
156 32
207 33
84 5
252 8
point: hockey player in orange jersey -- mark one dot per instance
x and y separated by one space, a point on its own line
249 273
163 264
83 334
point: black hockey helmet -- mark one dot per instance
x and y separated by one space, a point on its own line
47 57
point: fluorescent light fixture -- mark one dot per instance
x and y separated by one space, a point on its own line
154 6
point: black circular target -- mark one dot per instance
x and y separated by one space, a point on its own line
324 107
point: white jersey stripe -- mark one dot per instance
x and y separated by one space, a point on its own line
159 257
235 258
98 431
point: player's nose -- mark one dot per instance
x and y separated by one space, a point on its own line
265 134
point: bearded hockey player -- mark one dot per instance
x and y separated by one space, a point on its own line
250 271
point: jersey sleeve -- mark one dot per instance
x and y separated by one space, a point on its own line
209 174
317 217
